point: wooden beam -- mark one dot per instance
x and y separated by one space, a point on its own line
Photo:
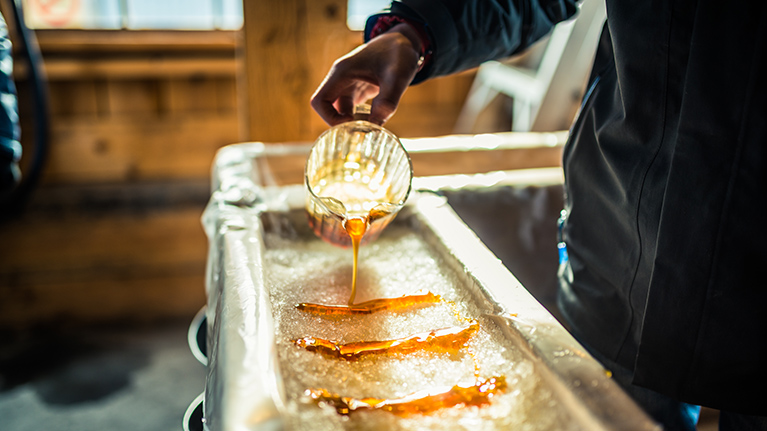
81 42
58 69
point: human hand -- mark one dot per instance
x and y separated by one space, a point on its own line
382 69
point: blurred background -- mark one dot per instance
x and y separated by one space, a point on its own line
123 105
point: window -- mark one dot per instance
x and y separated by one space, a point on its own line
359 10
160 14
134 14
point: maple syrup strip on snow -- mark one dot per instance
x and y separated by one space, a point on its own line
478 394
449 340
372 306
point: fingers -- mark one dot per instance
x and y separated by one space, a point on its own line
345 105
331 107
335 99
384 105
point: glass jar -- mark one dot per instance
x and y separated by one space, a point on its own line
356 171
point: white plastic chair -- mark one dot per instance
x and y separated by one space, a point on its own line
552 87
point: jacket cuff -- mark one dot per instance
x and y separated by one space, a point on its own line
385 22
435 21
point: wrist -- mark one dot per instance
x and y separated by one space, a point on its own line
412 31
411 34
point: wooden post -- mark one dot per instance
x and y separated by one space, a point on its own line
289 45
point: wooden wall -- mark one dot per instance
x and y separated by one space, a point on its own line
136 109
113 232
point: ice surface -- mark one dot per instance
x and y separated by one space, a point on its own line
302 268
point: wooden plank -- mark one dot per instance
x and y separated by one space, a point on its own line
226 96
137 148
133 97
83 41
88 267
89 243
127 68
114 299
135 198
201 94
72 99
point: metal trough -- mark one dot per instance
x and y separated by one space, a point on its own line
263 259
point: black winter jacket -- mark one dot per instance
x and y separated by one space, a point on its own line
665 179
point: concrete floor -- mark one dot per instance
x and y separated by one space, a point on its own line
116 378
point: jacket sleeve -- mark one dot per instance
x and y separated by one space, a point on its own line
465 33
10 148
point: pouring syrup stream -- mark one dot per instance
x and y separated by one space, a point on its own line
356 228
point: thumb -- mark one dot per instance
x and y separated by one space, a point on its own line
381 109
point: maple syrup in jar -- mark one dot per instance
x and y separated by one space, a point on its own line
356 171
